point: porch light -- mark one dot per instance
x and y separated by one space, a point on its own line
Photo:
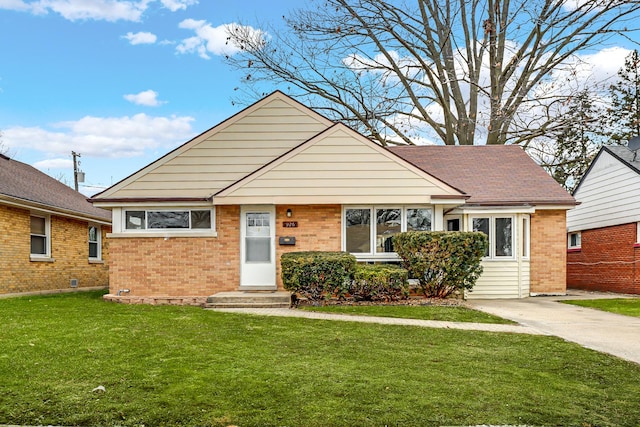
289 213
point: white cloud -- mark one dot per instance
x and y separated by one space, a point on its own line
111 137
209 39
100 10
140 38
174 5
148 98
53 164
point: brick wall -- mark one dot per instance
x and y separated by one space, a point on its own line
607 261
179 266
187 270
319 229
69 249
548 252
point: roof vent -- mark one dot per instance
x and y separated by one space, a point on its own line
634 143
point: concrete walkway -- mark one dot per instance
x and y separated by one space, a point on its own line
595 329
598 330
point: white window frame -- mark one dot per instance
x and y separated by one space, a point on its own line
525 234
374 255
638 233
578 244
122 230
492 235
47 236
98 242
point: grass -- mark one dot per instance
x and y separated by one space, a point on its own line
625 306
184 366
422 312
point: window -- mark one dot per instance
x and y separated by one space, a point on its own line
94 239
500 233
363 235
526 236
575 240
168 219
40 243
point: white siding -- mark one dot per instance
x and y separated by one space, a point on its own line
226 153
499 280
608 195
341 168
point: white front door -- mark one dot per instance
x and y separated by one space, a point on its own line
257 247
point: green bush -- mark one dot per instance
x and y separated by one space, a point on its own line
443 261
379 282
317 275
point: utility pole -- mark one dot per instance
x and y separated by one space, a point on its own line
75 169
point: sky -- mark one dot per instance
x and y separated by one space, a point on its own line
124 82
120 82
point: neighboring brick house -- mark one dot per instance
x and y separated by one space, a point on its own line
603 240
51 237
217 213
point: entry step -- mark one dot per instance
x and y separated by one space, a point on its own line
249 299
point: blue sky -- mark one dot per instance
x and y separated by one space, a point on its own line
120 82
124 82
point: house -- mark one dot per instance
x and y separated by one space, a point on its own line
603 232
216 213
51 237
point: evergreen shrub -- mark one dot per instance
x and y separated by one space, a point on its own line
379 282
317 276
443 262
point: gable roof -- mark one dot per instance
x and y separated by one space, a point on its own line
26 186
339 166
627 157
492 175
223 154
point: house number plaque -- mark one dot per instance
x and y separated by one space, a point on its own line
290 224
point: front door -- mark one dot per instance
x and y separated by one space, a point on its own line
257 248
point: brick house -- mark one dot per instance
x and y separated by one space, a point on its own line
216 213
603 232
51 237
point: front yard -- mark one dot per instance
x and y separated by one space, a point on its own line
184 366
625 306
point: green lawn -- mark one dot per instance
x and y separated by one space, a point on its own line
626 306
423 312
184 366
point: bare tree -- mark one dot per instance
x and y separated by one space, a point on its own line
461 72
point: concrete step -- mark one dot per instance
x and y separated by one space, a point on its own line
254 299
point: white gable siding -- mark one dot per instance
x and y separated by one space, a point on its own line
338 168
609 195
226 155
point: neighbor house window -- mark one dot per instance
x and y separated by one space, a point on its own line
95 239
370 230
575 240
499 230
40 236
168 219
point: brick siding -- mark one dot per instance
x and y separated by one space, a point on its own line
548 252
188 270
607 260
69 249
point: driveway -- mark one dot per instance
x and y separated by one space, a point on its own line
598 330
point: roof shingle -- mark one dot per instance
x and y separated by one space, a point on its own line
491 174
21 181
